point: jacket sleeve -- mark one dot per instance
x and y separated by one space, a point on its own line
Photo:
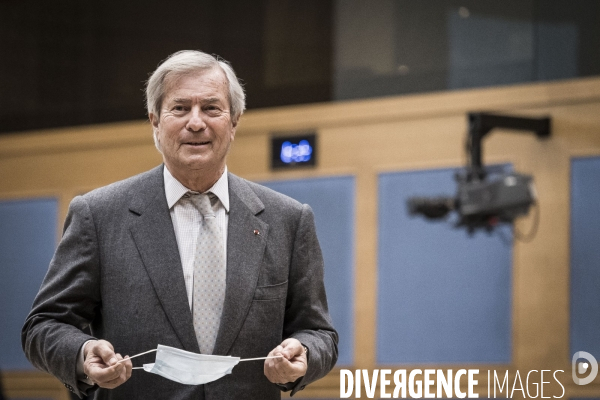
307 317
67 300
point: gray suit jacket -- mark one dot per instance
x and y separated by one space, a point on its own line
118 270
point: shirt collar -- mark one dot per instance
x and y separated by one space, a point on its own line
174 189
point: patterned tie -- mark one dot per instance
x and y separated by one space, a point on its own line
209 277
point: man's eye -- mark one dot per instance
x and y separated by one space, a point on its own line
179 108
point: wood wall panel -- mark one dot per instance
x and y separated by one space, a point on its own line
364 138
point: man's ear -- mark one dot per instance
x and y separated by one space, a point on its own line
153 120
234 124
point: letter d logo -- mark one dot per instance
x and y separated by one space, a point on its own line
582 367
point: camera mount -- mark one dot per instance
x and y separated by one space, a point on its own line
482 202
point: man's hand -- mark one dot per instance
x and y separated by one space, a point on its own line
102 367
288 368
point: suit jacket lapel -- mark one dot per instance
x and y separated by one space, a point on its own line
155 239
245 251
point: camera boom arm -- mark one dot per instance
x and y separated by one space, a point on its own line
480 124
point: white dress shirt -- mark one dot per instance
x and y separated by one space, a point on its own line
186 220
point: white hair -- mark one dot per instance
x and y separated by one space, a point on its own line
187 61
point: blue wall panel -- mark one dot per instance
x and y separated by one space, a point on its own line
443 296
332 200
585 255
27 243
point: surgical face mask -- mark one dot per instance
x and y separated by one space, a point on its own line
190 368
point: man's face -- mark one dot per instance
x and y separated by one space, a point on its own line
195 129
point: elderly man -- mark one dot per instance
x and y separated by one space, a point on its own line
185 255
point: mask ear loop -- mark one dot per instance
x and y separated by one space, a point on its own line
260 358
137 355
153 350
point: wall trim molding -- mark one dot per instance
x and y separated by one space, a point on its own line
322 115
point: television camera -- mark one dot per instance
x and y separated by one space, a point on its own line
484 200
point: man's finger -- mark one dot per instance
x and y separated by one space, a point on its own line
105 351
289 368
291 348
102 367
276 351
128 367
291 352
116 368
280 370
104 374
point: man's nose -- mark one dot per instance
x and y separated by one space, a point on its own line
196 122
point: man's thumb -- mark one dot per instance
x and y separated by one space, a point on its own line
106 352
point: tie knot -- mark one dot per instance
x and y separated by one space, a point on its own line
202 202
